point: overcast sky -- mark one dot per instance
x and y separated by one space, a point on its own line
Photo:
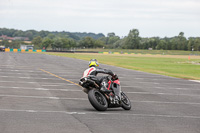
151 17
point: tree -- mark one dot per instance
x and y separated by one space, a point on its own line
87 42
197 44
161 45
18 33
181 42
46 42
43 33
29 34
112 34
37 41
133 40
98 44
57 43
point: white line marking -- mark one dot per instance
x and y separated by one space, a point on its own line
157 87
88 113
36 82
14 70
39 89
4 76
160 102
198 81
189 84
137 78
51 85
83 99
42 97
7 73
24 77
172 94
27 77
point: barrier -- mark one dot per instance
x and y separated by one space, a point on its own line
23 50
7 50
15 50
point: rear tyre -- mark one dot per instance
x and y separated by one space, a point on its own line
126 103
97 100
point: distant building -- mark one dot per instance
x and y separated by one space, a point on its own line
21 38
5 37
25 47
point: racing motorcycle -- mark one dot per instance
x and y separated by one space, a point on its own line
103 100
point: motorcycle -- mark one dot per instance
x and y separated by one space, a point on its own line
103 100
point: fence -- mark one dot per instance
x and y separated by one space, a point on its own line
23 50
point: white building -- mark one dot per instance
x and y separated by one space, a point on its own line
26 47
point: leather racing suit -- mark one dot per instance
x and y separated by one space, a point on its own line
101 80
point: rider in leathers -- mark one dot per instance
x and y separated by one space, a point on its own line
94 69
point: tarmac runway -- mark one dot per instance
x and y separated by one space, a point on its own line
39 94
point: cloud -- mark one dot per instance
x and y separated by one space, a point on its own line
99 15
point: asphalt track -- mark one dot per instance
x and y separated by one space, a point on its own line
38 94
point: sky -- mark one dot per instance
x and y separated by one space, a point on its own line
153 18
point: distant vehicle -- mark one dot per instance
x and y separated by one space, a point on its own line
2 48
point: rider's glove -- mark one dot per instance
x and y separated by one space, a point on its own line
114 77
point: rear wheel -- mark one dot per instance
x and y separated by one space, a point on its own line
98 100
126 103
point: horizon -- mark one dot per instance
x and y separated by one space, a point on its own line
101 33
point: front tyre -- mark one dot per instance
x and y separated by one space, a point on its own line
126 103
97 100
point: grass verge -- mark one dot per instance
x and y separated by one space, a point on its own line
174 65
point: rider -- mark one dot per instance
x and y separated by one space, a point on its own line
94 69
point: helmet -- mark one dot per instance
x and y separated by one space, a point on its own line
93 62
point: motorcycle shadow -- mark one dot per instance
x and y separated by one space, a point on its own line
108 110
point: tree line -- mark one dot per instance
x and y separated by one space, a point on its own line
66 40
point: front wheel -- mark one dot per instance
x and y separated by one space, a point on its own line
126 103
98 100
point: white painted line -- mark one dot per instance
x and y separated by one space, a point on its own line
51 85
157 87
189 84
12 87
138 78
39 89
23 74
99 113
24 77
161 102
171 94
28 77
14 70
83 99
37 83
42 97
198 81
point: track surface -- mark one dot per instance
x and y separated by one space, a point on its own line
36 97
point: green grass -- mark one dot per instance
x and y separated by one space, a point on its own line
174 66
165 52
